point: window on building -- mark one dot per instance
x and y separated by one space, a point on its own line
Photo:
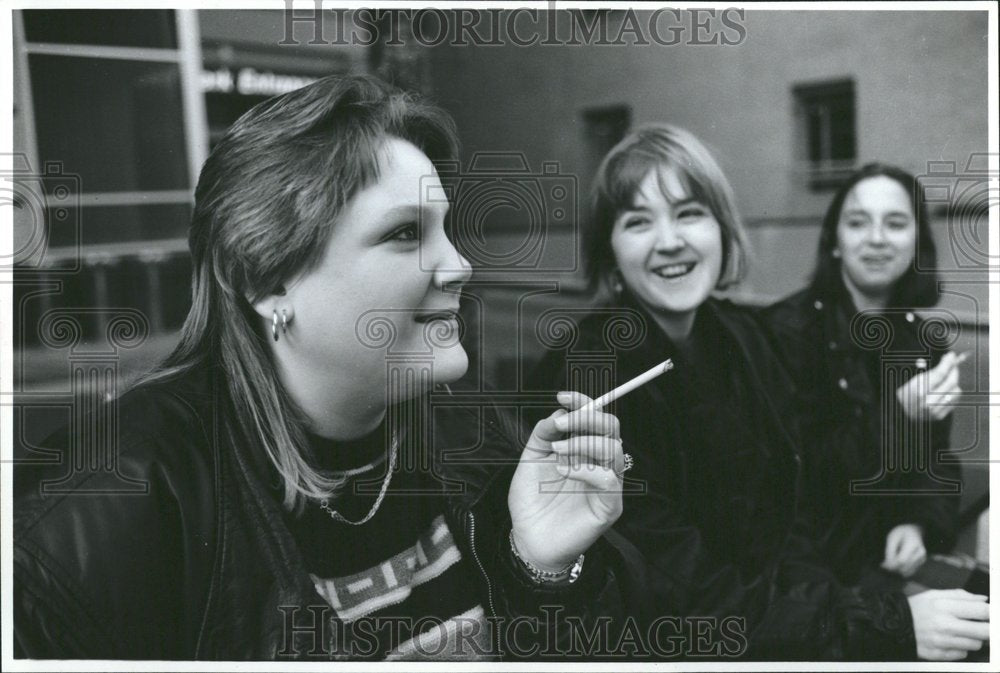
827 131
111 137
115 111
603 127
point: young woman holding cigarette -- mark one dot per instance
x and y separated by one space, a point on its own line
874 387
304 497
715 463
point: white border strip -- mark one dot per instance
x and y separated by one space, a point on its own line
5 343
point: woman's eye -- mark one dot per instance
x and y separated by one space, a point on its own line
405 233
855 223
898 224
633 222
691 213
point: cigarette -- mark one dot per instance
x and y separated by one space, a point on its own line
630 385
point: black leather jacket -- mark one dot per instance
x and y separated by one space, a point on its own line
722 531
172 548
868 467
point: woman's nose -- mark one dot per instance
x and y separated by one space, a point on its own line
453 270
668 238
876 235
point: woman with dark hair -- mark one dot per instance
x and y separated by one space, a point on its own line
307 493
874 385
715 477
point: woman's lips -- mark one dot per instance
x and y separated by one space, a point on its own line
876 260
674 271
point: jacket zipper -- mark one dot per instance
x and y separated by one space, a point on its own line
475 557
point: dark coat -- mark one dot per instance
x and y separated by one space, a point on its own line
868 467
715 506
196 561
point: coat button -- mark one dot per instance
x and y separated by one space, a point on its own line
832 345
857 412
818 305
910 317
842 383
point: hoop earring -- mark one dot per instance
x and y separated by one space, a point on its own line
835 253
274 324
284 321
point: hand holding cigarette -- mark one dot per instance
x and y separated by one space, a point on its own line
630 385
566 490
933 392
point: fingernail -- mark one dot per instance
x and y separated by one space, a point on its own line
561 423
564 397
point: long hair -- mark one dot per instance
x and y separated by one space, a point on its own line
918 286
620 175
264 204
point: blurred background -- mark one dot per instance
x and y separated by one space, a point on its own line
116 110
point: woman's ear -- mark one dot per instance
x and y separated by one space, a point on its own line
273 304
615 281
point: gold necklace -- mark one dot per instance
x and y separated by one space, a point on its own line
324 504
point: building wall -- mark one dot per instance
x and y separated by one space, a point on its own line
920 81
921 95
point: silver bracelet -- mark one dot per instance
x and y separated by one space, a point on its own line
570 573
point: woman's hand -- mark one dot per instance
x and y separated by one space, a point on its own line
566 490
949 624
933 392
904 549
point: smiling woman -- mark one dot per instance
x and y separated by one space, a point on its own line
298 501
668 249
880 491
713 501
387 258
876 240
